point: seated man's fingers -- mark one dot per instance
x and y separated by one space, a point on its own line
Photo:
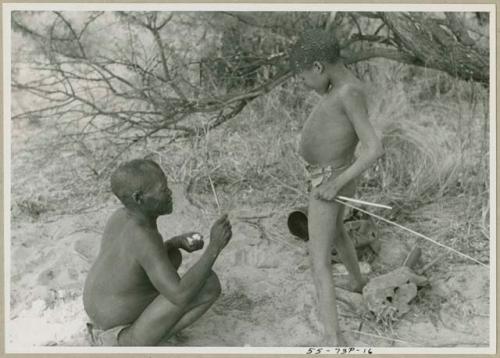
197 245
222 220
219 220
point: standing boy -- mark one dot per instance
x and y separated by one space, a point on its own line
328 142
133 293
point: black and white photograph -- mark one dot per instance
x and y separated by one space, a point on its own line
249 178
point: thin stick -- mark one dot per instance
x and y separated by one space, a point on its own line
207 156
412 231
364 202
214 192
432 263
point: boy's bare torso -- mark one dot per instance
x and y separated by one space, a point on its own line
117 289
328 136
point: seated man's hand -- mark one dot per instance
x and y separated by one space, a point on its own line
191 241
221 233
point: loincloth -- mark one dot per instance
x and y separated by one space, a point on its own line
104 338
317 175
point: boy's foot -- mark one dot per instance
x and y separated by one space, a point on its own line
342 342
334 341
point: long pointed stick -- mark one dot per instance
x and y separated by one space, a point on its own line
364 202
412 231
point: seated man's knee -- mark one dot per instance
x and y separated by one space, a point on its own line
212 288
175 257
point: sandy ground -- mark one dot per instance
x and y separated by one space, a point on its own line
268 295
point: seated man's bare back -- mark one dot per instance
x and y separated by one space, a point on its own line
133 284
117 272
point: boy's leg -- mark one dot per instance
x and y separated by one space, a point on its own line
162 318
345 246
322 227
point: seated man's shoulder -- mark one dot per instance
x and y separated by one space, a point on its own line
143 232
131 230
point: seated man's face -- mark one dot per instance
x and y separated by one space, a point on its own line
158 197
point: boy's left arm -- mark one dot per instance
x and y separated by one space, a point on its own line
354 104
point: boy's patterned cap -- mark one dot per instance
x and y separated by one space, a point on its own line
314 45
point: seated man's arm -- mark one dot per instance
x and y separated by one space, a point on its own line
190 241
163 275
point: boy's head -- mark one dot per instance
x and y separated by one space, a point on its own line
313 52
142 184
314 46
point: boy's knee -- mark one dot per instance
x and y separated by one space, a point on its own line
323 269
340 238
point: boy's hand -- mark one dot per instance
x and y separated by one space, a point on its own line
191 241
328 191
221 233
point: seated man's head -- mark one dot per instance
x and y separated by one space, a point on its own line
312 54
141 184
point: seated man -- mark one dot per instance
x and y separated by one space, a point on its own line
133 293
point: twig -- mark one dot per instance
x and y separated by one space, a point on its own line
286 185
381 337
432 263
265 236
253 217
214 192
207 157
413 232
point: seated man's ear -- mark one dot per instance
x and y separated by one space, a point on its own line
137 196
318 67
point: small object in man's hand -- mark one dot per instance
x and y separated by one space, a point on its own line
195 237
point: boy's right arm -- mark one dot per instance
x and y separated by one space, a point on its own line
163 275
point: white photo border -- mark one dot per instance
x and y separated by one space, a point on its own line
7 8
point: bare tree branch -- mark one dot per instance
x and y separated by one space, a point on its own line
135 91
